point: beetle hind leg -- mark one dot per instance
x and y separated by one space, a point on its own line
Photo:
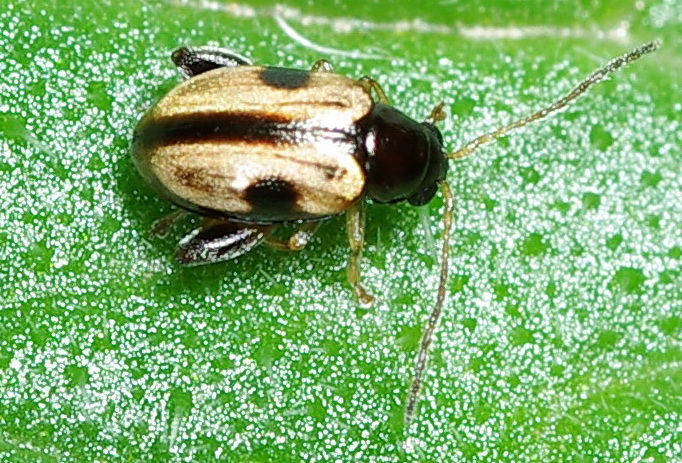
219 240
197 60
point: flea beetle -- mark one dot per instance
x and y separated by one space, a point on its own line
250 148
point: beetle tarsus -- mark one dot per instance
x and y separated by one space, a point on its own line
322 66
364 298
297 241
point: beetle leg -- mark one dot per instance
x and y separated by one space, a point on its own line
355 227
218 240
371 84
437 114
298 239
322 66
162 226
196 60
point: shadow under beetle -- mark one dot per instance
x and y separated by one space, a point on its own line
250 148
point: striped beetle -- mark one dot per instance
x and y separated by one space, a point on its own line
250 148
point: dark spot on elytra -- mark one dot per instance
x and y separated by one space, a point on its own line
284 78
272 197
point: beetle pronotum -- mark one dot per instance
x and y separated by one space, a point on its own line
251 148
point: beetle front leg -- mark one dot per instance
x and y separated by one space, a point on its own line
197 60
355 227
297 241
218 240
322 66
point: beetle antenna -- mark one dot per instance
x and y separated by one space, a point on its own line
422 356
594 78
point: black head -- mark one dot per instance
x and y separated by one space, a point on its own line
405 158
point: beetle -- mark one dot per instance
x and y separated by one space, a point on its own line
251 148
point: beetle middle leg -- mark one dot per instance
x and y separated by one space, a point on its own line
297 241
197 60
217 240
371 84
355 227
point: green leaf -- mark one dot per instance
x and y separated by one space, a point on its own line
560 337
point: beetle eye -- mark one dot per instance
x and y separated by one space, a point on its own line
423 196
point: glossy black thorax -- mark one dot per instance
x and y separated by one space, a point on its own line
404 159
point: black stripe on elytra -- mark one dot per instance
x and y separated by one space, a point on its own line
284 77
261 128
